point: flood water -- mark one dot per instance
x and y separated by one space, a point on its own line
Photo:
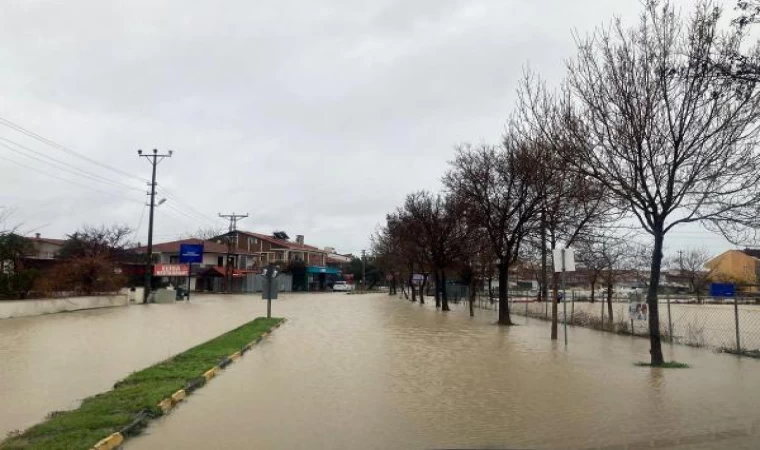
51 362
373 371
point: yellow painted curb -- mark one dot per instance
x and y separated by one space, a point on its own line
211 373
178 396
109 443
166 405
235 356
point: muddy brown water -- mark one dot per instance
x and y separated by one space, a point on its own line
376 372
51 362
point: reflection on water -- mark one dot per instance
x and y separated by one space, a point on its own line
374 371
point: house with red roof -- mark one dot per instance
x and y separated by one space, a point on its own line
307 263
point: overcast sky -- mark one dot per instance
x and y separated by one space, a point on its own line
315 117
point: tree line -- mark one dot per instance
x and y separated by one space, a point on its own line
654 125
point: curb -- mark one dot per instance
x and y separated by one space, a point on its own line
169 403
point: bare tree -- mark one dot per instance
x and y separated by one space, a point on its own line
206 233
691 264
673 142
439 232
502 191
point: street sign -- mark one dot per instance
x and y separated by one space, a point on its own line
722 290
569 259
171 270
191 253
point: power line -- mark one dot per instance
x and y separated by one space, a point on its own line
84 186
71 169
33 135
191 212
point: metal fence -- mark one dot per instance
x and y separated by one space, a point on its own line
731 326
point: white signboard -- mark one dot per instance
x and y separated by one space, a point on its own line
569 259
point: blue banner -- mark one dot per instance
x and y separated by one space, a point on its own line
722 290
191 253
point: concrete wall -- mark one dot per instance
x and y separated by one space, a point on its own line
21 308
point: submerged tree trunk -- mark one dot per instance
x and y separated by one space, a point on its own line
504 318
655 343
422 290
609 300
411 283
472 295
437 280
444 295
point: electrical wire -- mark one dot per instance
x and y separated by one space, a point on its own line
63 165
139 223
33 135
84 186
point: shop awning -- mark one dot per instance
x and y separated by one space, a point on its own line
317 269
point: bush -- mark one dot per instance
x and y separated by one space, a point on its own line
17 285
85 275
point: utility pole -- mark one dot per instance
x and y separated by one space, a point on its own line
233 218
680 260
364 271
153 158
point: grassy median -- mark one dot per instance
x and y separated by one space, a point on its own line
139 393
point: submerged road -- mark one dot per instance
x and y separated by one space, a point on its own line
51 362
373 371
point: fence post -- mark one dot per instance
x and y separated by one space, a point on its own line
670 322
736 319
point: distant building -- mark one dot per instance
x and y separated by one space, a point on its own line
208 275
737 266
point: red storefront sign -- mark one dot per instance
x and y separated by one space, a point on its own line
170 270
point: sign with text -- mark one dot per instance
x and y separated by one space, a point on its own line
722 290
191 253
171 270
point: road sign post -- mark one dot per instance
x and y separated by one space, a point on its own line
269 290
189 254
564 261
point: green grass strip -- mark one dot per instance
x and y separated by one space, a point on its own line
100 415
665 365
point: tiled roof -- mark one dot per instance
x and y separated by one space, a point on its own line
173 247
48 240
286 244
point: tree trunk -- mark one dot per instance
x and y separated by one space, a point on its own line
403 290
422 290
593 289
555 295
609 300
472 295
544 264
655 343
504 318
444 295
437 280
411 283
490 287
